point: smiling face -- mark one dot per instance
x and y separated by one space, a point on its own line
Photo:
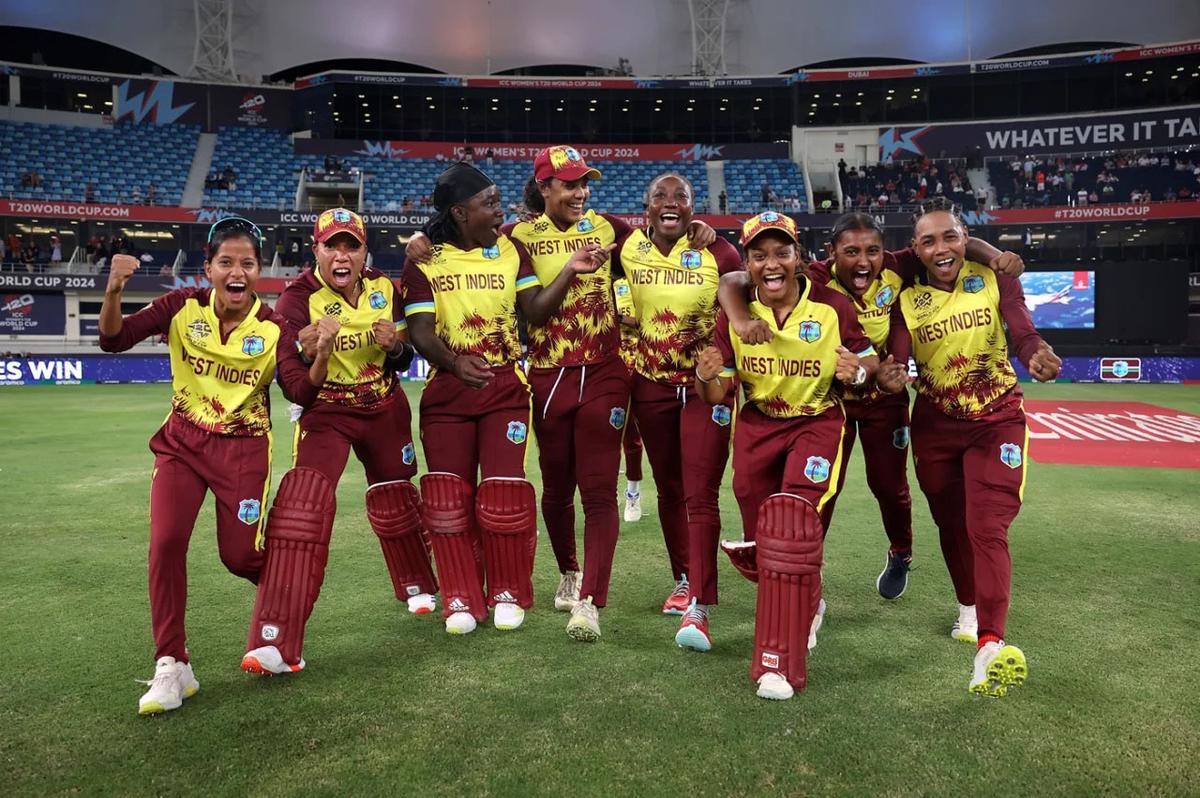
233 271
773 260
940 241
565 199
858 259
669 207
340 261
480 218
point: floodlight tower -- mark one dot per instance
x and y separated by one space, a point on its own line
213 57
708 36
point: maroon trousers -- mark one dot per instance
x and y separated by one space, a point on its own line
687 442
579 415
632 444
973 475
801 456
188 462
379 434
882 426
476 434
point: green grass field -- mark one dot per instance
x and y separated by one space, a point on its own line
1106 581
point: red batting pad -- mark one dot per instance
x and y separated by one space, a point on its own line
298 530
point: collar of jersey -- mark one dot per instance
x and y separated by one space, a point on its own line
676 247
210 309
587 213
770 312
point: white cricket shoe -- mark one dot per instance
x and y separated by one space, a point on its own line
818 619
422 603
966 628
568 592
173 681
267 661
773 686
633 507
507 616
584 625
997 666
460 623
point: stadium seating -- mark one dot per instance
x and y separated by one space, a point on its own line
267 170
744 182
862 191
1174 176
120 161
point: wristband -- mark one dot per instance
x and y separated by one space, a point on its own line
708 381
860 376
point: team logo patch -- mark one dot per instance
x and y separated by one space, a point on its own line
199 330
690 259
249 511
616 417
408 454
816 469
253 345
884 297
269 631
770 660
973 284
585 226
810 331
900 438
342 216
721 415
492 252
1010 455
378 300
622 289
644 247
768 216
516 431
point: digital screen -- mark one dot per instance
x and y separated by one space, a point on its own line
1061 300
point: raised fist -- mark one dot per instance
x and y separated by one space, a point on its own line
709 363
121 269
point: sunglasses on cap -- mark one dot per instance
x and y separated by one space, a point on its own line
239 224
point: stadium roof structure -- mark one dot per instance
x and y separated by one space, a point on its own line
481 37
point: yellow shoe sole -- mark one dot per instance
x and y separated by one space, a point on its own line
582 632
1007 668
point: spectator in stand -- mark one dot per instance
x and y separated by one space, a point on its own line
723 200
1108 193
1083 196
89 193
767 195
1184 193
151 193
230 177
491 158
55 250
137 196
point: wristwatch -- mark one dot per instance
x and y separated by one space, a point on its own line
860 376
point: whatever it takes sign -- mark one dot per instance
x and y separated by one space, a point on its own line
1174 127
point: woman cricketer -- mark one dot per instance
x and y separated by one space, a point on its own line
787 447
223 343
969 435
461 305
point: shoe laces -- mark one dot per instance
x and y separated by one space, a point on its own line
681 588
694 613
161 677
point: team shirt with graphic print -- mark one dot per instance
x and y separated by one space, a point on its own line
675 299
793 374
473 296
583 330
358 373
220 382
957 340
